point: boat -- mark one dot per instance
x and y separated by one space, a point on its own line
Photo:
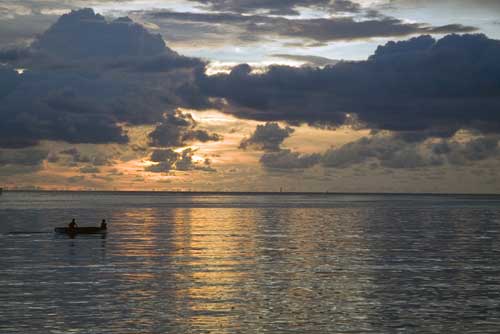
80 230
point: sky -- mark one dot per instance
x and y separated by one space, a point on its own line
250 95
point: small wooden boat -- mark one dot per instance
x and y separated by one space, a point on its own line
80 230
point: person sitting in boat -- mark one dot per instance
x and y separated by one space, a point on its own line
104 225
73 225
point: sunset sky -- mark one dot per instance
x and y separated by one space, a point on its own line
250 95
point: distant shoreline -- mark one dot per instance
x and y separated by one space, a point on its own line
249 193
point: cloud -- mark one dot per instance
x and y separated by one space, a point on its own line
52 157
24 157
76 157
268 137
89 93
115 172
21 161
9 80
467 153
114 73
91 36
17 29
493 5
166 160
89 170
417 87
309 59
390 151
279 7
387 150
75 179
177 130
288 160
250 28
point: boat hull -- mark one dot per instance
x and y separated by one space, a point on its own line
80 230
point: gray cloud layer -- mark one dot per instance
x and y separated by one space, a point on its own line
279 7
255 27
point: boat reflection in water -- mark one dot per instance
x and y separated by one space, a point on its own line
80 230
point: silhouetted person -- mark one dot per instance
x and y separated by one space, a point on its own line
72 225
104 225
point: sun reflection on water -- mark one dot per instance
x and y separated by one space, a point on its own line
218 252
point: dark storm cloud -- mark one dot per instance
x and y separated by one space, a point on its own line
85 76
8 81
177 130
417 87
13 54
268 137
288 160
317 29
166 160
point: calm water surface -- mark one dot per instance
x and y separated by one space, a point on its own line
250 264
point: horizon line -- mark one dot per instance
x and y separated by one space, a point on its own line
180 192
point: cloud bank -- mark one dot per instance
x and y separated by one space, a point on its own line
419 88
391 152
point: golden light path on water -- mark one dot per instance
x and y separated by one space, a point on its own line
231 270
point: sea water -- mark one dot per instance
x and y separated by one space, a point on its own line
187 263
